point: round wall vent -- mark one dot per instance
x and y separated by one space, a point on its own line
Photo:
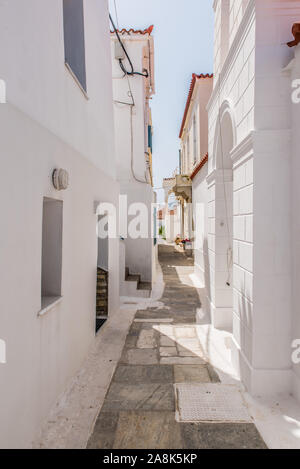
60 179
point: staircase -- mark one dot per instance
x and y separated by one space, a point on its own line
102 298
133 286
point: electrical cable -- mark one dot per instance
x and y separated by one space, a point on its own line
145 74
130 94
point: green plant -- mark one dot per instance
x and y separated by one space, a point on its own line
162 232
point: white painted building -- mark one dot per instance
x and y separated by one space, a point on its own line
172 219
56 64
253 184
133 133
292 72
194 144
200 218
194 127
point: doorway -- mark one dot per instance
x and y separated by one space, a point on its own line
222 240
102 282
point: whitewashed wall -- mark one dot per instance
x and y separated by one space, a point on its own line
138 257
34 66
200 214
172 225
47 123
233 96
201 95
294 74
253 92
272 199
221 36
236 13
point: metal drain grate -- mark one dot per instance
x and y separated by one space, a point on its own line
210 403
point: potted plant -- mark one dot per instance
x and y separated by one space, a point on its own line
187 244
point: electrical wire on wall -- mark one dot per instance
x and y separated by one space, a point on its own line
132 72
127 74
229 249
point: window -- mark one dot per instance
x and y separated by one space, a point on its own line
195 138
180 161
150 138
74 39
51 251
188 155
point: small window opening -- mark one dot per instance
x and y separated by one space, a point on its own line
74 39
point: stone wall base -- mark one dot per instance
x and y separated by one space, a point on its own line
221 318
260 382
296 386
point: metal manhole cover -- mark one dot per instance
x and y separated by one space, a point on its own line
210 403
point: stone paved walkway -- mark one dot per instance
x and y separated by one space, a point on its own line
162 348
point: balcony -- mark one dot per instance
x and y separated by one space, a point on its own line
183 187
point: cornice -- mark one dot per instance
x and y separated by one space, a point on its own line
219 175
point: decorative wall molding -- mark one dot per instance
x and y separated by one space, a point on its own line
242 151
225 108
236 45
219 176
215 4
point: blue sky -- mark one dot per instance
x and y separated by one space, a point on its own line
183 33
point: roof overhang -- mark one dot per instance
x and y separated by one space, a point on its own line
195 78
199 166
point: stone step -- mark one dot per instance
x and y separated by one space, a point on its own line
102 292
145 286
133 278
134 287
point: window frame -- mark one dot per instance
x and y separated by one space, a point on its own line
80 80
195 146
188 144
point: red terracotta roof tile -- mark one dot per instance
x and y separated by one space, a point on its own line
199 166
192 86
135 31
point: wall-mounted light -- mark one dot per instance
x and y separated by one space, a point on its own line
60 179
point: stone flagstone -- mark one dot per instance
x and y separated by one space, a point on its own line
139 408
168 351
146 339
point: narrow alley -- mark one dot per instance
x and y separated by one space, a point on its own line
163 348
150 254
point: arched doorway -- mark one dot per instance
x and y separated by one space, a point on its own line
221 214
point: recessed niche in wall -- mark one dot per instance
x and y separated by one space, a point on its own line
51 251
